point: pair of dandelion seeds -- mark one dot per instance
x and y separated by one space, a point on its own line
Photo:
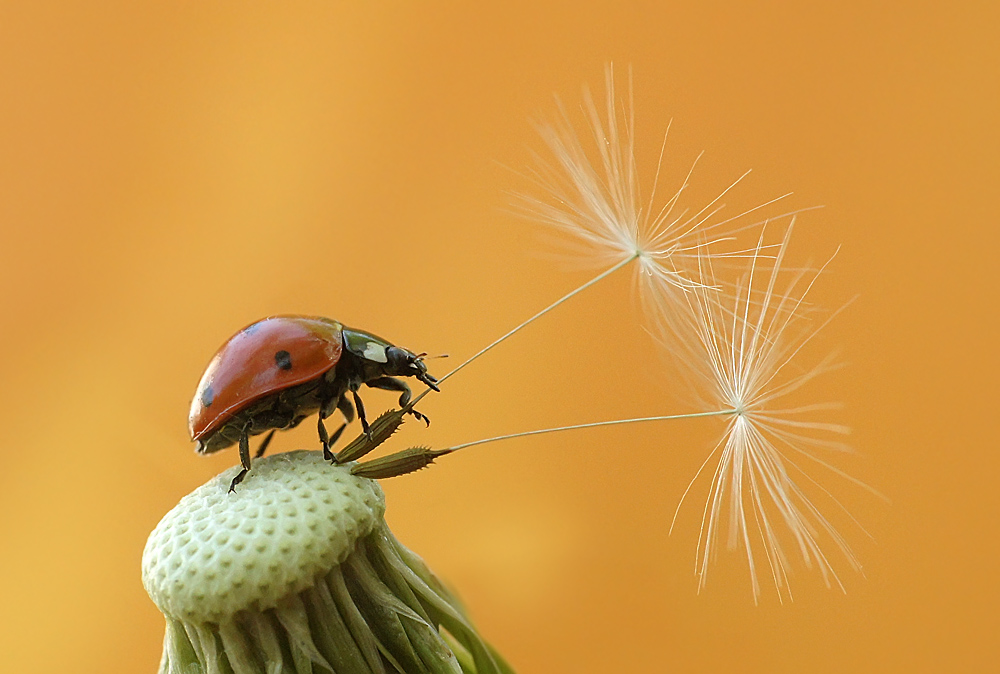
738 335
735 314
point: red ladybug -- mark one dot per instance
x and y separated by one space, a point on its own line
274 373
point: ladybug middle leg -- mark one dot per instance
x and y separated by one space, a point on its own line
328 440
346 408
393 384
244 457
325 410
263 445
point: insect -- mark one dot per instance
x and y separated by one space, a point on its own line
274 373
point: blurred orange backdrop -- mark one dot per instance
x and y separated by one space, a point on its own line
170 172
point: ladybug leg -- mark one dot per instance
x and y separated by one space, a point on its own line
327 439
325 409
263 445
337 433
361 414
420 417
324 439
346 408
244 458
393 384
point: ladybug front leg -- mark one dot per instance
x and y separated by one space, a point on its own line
244 458
393 384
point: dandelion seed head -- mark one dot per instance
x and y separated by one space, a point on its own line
590 190
747 342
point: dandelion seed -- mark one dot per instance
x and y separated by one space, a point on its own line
601 207
599 204
748 342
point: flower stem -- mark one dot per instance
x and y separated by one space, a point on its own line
594 424
541 313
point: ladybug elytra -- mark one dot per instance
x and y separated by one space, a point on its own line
274 373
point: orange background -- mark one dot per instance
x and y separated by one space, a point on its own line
170 172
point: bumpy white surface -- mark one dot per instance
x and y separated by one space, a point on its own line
294 517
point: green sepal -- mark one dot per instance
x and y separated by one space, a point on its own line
381 430
407 461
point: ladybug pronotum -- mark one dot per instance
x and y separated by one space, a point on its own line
274 373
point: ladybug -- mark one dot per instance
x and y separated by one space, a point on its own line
274 373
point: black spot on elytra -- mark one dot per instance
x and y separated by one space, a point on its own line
284 360
207 396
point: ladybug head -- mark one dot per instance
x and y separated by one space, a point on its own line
407 364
